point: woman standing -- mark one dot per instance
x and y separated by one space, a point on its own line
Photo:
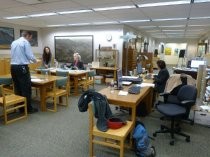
46 57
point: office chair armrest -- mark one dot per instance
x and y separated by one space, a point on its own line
164 94
187 101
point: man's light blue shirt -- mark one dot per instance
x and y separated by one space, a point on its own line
21 52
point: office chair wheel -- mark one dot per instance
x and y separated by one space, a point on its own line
171 143
187 139
154 134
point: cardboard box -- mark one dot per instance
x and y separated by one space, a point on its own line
99 79
96 64
202 117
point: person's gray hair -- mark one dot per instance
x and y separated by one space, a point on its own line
79 57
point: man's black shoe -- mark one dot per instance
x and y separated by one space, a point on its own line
32 110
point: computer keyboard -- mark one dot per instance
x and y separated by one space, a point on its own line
134 89
135 80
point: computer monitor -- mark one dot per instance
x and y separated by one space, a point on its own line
119 79
139 68
196 63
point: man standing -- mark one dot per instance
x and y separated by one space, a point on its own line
21 56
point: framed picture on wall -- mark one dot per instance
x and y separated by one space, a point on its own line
6 37
34 40
66 46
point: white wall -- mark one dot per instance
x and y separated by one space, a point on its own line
191 49
99 36
37 50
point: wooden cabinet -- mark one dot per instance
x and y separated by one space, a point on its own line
129 60
107 58
5 66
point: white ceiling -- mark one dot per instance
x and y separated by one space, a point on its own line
181 28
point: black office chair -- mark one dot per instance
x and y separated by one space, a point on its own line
172 96
178 111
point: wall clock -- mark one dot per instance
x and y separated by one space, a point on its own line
109 37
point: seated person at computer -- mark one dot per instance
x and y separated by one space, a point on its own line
77 64
162 77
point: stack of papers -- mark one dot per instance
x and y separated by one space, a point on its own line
147 85
36 80
205 107
127 83
123 93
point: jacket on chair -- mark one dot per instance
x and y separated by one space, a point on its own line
101 107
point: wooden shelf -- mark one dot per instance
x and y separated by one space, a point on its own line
107 58
130 58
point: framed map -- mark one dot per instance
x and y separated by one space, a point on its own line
66 46
6 37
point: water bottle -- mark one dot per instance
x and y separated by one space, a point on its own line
112 86
46 75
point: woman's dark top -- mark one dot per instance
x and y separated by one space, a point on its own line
161 79
79 65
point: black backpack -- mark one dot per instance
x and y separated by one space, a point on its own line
142 144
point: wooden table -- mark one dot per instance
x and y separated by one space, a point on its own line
131 100
74 75
112 69
188 71
41 82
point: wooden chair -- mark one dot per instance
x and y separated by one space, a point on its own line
11 103
8 85
114 138
64 74
90 79
87 81
59 89
45 71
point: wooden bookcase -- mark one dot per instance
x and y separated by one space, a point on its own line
130 58
107 58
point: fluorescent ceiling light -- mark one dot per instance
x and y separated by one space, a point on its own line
201 1
172 26
104 23
57 25
168 33
198 25
172 19
130 21
74 11
173 30
163 4
151 31
197 18
15 17
114 8
195 30
78 24
147 26
43 14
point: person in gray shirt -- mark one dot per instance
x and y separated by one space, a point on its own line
21 56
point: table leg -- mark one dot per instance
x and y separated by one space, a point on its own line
43 98
75 85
